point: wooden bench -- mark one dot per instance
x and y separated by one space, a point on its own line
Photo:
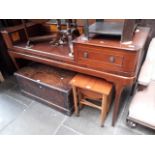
86 89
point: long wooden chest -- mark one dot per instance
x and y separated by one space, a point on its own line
48 85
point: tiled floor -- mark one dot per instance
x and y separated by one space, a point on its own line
21 115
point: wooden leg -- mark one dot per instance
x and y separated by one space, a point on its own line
79 99
75 101
109 98
1 77
118 92
133 89
14 62
103 109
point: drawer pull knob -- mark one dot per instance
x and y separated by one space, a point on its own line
85 55
112 59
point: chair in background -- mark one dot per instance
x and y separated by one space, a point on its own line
142 107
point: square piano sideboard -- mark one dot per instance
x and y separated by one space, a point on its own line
105 58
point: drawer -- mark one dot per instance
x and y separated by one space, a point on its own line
99 57
106 59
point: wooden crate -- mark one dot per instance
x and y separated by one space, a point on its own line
48 85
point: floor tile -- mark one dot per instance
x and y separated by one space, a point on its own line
6 85
108 121
12 79
88 123
125 131
21 115
123 102
16 93
10 109
63 130
37 119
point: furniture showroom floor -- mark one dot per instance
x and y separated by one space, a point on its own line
21 115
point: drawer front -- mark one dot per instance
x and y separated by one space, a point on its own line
49 94
99 57
106 59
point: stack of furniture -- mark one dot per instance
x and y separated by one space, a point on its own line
104 57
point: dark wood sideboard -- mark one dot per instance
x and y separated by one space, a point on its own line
105 58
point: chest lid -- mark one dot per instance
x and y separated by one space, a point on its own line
47 75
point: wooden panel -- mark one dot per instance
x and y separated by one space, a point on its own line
128 30
52 95
90 94
15 36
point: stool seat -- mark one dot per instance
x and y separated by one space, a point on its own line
86 87
91 83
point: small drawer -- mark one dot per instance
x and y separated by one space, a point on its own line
121 62
100 57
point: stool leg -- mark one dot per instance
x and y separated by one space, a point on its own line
80 97
75 101
103 110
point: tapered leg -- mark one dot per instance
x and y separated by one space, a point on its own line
133 89
75 101
118 92
103 109
14 62
80 96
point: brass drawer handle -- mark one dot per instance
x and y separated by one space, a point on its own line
85 55
112 59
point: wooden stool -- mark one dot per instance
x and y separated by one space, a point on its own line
86 88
